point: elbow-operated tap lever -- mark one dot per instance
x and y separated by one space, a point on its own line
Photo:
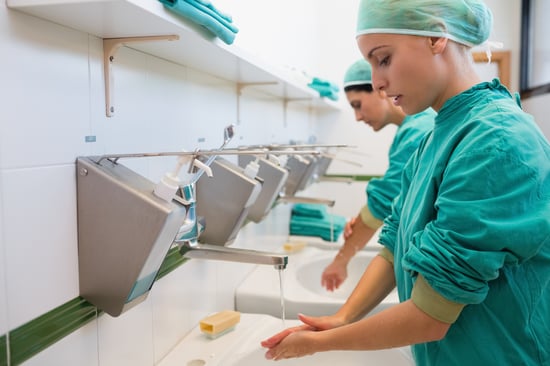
301 199
216 252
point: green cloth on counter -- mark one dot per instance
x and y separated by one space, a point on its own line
314 220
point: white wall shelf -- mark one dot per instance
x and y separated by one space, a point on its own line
195 48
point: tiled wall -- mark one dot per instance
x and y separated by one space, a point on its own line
52 98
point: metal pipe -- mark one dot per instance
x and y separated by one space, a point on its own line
204 153
272 147
299 199
216 252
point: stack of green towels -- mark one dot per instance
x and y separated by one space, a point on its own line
325 88
203 12
309 219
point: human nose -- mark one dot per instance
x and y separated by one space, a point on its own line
378 81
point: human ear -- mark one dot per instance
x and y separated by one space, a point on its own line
437 44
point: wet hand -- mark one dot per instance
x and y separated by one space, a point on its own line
296 344
278 338
322 322
334 275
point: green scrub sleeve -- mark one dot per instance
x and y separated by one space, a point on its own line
433 304
382 191
427 299
368 218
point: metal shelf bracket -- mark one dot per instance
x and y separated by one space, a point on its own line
110 46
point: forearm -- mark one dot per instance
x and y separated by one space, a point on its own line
403 324
356 241
377 282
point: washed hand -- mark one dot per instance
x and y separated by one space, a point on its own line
296 344
334 275
299 341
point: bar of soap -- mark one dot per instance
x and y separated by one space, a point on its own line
294 246
220 323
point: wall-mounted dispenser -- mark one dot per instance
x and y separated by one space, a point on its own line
323 164
127 224
300 170
224 201
274 178
124 233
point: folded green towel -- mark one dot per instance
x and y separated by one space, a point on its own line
331 221
328 228
325 88
320 83
310 210
205 14
209 4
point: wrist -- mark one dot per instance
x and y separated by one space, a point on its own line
343 256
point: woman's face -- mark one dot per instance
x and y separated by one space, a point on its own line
405 67
369 107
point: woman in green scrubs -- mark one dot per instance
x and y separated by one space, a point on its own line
375 109
468 240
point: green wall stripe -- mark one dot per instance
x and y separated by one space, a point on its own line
354 177
172 261
40 333
3 351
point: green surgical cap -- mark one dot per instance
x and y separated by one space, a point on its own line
359 73
467 22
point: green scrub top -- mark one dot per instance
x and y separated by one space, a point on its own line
473 218
382 191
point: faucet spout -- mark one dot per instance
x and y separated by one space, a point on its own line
298 199
216 252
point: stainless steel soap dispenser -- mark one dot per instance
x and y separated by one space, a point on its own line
300 170
124 233
224 200
274 178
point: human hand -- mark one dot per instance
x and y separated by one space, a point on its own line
279 337
299 341
322 322
348 229
334 275
296 344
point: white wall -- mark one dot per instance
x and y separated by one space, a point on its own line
52 97
538 107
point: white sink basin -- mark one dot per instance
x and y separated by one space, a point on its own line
302 291
241 347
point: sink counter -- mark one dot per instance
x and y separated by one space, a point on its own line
242 347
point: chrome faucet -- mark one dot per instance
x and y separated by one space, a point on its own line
189 249
187 240
301 199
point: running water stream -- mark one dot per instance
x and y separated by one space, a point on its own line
281 287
